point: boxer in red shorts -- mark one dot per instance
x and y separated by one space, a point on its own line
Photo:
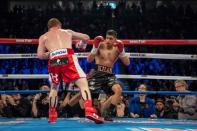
56 46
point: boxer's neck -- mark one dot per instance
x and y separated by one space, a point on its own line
54 28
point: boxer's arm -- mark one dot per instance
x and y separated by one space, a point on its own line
90 57
125 60
78 35
41 51
96 43
122 55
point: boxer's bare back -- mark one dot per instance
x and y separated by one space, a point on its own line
57 38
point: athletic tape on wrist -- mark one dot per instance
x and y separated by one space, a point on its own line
123 54
94 50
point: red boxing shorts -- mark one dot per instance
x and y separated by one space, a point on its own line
64 65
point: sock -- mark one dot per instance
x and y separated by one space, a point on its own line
53 102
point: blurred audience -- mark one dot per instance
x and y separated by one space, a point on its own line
163 20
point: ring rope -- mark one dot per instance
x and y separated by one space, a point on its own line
46 76
131 55
126 42
124 92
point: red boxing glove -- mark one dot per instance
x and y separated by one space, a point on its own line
120 47
96 43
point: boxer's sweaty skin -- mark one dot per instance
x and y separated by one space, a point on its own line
57 38
107 55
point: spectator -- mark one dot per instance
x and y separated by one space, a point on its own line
187 104
142 106
72 106
40 104
160 108
172 110
17 106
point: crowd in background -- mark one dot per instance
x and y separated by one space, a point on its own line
162 21
137 21
134 106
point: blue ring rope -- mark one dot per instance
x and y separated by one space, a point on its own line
124 92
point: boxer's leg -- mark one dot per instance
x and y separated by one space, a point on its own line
90 112
53 98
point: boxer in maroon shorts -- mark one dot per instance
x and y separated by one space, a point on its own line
105 52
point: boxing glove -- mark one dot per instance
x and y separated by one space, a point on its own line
81 45
96 44
119 44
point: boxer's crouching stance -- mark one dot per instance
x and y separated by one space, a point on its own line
105 52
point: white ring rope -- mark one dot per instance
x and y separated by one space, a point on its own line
46 76
131 55
84 55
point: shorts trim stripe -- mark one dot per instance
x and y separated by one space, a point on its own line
78 67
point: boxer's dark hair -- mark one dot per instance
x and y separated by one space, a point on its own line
53 22
112 33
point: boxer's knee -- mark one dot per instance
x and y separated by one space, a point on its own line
117 89
54 86
53 92
82 83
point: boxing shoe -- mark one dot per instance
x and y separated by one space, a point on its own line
52 115
91 113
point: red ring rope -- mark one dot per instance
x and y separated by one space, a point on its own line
126 42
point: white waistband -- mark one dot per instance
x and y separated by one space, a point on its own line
59 52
